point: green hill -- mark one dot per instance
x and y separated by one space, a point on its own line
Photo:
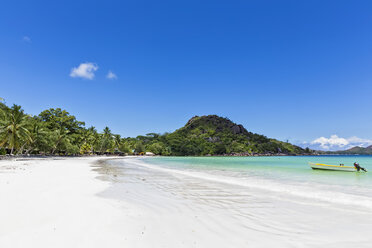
214 135
57 132
356 150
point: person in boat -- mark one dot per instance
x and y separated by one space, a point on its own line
358 167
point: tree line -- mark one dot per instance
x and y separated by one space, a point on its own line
56 132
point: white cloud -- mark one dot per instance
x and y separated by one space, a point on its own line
338 143
333 141
26 39
84 70
111 75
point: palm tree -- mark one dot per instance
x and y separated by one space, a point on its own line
12 128
88 138
93 138
106 137
117 140
2 107
37 136
60 135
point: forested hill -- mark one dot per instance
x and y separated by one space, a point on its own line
356 150
214 135
57 132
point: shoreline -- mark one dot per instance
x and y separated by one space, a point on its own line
232 213
30 156
119 202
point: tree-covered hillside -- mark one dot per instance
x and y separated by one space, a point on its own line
57 132
356 150
216 135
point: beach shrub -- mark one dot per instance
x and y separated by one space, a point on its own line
85 149
2 151
157 148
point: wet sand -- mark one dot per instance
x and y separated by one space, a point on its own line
111 202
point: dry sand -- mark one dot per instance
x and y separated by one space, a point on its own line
53 203
60 203
83 202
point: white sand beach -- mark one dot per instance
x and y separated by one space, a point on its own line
53 203
73 202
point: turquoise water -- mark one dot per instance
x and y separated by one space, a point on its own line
290 175
278 201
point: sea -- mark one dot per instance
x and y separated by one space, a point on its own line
249 201
290 175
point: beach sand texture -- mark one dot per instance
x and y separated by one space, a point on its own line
85 202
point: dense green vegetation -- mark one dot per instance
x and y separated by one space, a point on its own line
215 135
53 131
57 132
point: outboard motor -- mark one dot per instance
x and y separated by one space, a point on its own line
358 167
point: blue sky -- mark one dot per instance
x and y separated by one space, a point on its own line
296 70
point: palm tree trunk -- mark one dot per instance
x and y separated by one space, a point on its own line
28 150
21 149
55 147
100 150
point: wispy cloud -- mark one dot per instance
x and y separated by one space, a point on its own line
26 39
84 70
111 75
335 142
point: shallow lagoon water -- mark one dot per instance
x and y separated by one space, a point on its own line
292 168
290 174
263 201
